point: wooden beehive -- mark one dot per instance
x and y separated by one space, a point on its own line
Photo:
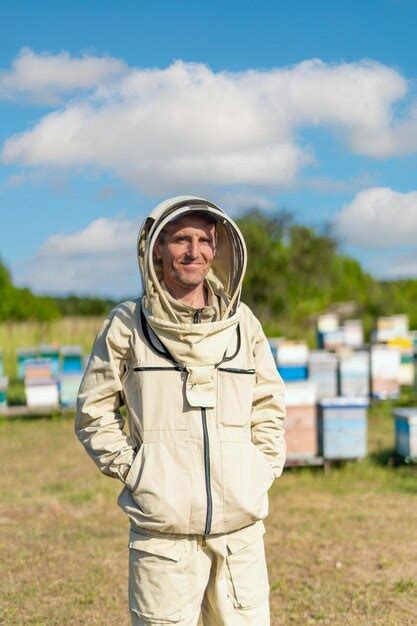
301 420
342 428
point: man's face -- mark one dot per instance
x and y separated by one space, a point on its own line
186 250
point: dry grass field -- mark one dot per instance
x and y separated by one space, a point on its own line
341 546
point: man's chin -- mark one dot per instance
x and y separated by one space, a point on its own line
190 280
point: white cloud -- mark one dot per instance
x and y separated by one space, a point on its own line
325 184
232 202
100 259
379 218
168 129
46 77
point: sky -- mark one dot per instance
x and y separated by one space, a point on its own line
107 108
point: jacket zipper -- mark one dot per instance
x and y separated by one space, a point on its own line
209 513
156 368
206 441
197 316
235 370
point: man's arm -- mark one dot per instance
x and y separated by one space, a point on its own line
268 406
98 423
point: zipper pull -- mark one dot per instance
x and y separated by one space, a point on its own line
197 316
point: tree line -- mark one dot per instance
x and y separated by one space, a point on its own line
294 273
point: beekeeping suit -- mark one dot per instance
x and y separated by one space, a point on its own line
205 407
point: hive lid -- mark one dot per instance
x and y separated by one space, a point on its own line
40 382
342 401
406 412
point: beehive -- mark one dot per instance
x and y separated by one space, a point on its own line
300 422
68 388
50 352
71 359
353 333
327 323
4 381
391 327
406 432
24 355
385 372
291 358
354 373
406 349
42 393
36 369
322 371
342 428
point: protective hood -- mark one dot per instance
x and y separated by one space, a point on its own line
198 348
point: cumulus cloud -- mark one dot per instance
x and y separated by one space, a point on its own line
168 129
100 259
234 202
324 184
45 78
379 218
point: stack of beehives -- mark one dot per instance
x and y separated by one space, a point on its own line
301 420
52 375
41 386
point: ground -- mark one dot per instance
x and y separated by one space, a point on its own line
340 545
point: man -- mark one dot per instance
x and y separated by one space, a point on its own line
205 408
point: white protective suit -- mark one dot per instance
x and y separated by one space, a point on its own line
205 408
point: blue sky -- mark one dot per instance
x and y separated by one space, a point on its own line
108 107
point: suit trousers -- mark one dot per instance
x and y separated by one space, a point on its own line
191 580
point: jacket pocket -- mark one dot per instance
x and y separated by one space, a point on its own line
246 565
159 482
247 477
159 579
235 388
155 396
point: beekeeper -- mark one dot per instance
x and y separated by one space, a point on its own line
205 409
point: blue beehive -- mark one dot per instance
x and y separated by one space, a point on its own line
71 359
4 381
406 432
342 428
292 373
50 352
292 358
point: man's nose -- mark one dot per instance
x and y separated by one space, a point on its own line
193 249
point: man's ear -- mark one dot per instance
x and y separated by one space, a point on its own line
157 250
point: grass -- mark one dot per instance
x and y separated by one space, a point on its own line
340 545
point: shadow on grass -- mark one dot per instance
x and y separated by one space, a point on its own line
387 457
